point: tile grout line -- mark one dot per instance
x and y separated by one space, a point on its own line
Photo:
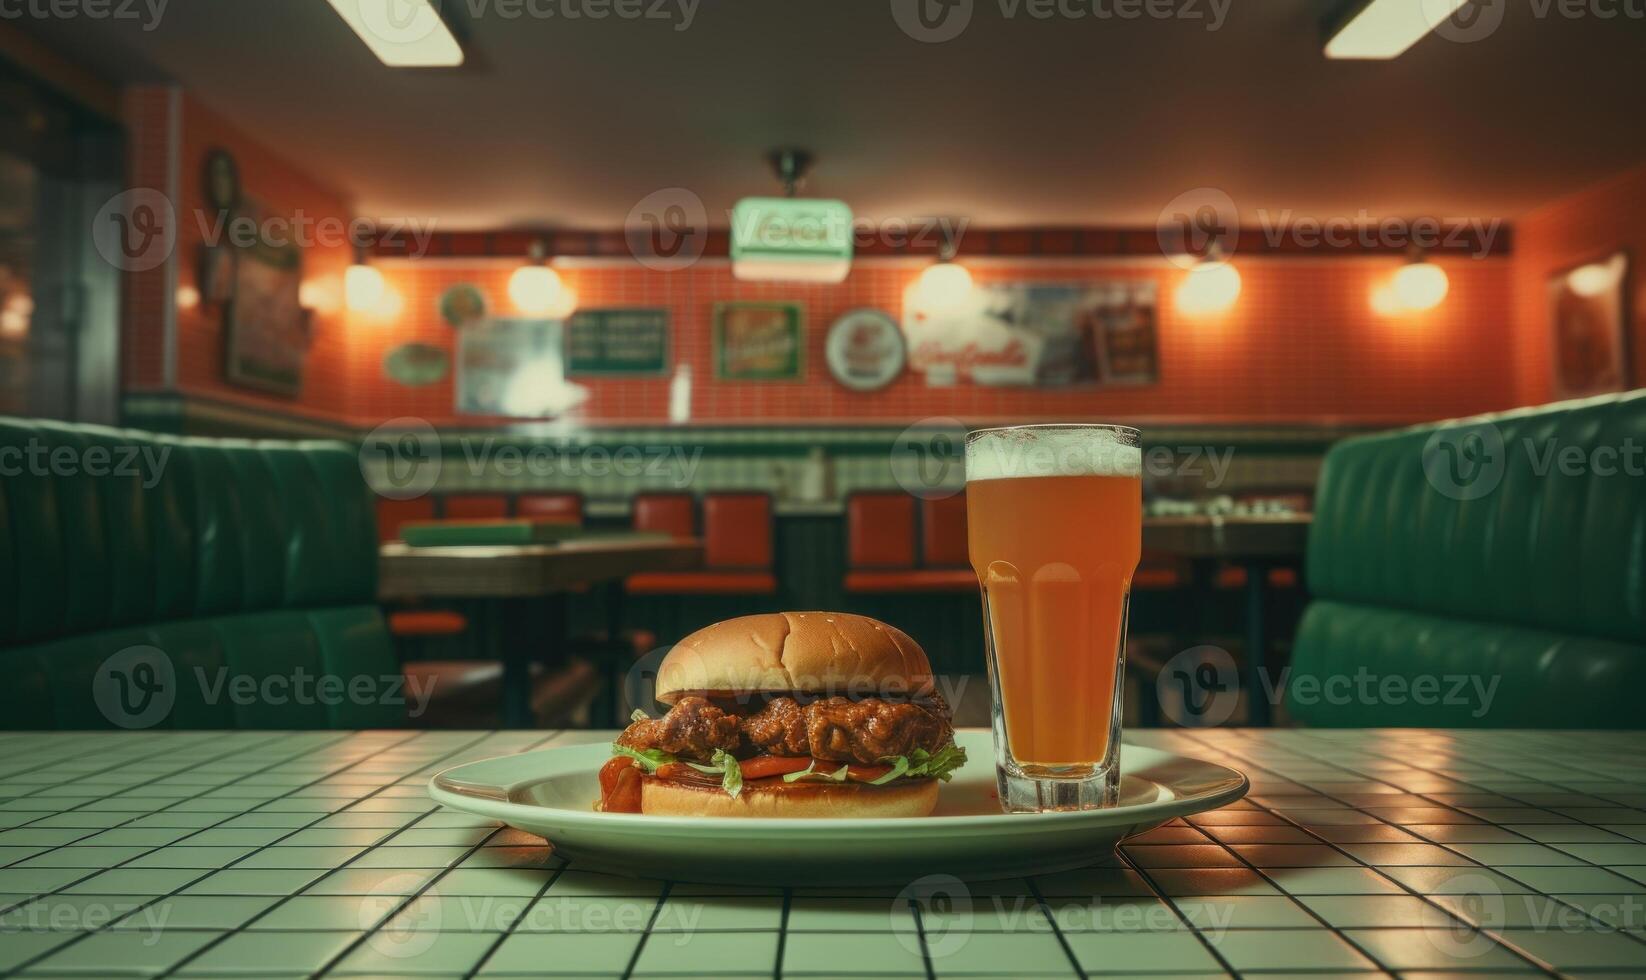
1057 930
409 900
342 738
95 872
1161 896
646 934
1281 815
1447 845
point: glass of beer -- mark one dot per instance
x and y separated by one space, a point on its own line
1054 517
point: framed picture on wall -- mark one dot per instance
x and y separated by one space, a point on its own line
759 342
1588 321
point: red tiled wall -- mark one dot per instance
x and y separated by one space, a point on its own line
1589 225
1302 343
148 110
281 189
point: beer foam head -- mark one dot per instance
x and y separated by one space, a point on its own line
1053 450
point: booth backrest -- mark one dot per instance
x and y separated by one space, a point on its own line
259 557
1528 527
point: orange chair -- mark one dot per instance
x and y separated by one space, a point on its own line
561 508
391 514
880 545
674 514
474 506
737 544
943 532
418 623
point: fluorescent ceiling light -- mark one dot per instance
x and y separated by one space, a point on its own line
402 33
1384 29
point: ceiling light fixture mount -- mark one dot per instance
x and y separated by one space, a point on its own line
1378 30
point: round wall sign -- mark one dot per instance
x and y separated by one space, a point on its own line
415 365
462 305
865 349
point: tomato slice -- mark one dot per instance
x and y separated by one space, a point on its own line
864 774
619 786
763 766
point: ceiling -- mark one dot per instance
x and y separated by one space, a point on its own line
559 122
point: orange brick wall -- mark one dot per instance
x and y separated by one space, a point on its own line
280 188
1588 225
1302 344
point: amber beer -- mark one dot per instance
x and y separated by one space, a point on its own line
1055 520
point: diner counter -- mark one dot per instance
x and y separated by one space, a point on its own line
319 853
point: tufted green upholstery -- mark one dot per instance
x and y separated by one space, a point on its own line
1509 550
250 566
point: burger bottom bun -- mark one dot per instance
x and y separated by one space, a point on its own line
905 798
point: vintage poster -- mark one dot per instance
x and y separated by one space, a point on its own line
758 342
513 368
265 326
1045 335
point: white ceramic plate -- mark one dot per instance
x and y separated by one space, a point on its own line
551 792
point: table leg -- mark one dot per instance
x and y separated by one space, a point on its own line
1257 688
613 662
506 646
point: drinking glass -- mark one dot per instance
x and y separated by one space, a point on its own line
1055 525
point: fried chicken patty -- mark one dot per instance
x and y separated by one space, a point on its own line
835 729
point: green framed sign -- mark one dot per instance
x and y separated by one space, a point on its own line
759 342
617 342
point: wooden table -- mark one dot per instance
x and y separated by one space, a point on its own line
511 582
1421 854
1257 544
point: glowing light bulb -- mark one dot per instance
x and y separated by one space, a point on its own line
1210 287
942 287
538 291
1421 286
1595 278
363 288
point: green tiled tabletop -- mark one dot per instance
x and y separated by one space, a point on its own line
1363 853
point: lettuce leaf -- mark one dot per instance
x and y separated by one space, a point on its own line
639 714
935 765
647 759
732 779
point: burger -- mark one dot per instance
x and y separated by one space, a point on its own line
788 715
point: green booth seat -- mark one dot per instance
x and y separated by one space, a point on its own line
167 582
1481 572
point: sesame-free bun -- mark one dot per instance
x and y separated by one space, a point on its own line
902 798
806 652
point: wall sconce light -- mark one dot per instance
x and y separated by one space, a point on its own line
537 290
1212 286
945 285
363 286
1419 285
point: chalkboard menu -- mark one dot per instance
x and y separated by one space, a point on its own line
612 342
